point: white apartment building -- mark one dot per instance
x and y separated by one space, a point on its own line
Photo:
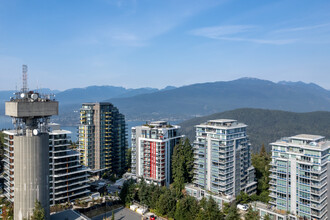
222 155
300 176
152 149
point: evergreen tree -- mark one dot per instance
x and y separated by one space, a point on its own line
189 161
182 165
166 204
186 208
129 159
143 193
226 208
233 213
263 152
267 217
261 164
156 192
252 215
127 192
212 210
243 198
38 212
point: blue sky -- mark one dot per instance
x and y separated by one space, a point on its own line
155 43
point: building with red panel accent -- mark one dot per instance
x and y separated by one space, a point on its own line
152 147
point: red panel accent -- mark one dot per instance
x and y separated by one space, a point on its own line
153 160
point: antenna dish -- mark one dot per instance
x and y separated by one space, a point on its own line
35 132
34 96
22 95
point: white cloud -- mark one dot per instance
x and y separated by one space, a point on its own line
303 28
219 31
260 41
233 32
135 26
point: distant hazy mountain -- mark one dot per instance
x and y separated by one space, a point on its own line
100 93
72 98
208 98
194 100
89 94
266 126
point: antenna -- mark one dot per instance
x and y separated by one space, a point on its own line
24 68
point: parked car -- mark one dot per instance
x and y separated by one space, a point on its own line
243 207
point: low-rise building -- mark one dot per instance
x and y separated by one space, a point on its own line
199 193
273 213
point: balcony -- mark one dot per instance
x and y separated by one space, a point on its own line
272 188
272 195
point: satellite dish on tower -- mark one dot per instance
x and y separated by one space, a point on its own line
34 96
35 132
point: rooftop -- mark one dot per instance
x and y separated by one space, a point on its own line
223 123
304 140
158 124
69 215
268 207
308 137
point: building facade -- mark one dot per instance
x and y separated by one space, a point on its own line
300 176
102 138
28 154
68 179
152 149
222 158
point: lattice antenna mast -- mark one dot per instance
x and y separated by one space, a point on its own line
25 68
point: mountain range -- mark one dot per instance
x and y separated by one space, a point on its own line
193 100
207 98
266 126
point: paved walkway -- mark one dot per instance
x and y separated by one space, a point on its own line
120 214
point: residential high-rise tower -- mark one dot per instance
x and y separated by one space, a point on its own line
152 148
222 155
300 176
102 138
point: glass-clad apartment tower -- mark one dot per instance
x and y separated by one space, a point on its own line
300 176
222 155
102 137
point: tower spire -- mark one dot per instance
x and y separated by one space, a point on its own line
24 70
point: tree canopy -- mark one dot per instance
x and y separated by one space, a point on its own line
261 161
38 212
182 165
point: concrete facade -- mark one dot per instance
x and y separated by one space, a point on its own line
68 178
31 109
30 112
31 175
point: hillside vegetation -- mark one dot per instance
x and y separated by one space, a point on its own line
266 126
